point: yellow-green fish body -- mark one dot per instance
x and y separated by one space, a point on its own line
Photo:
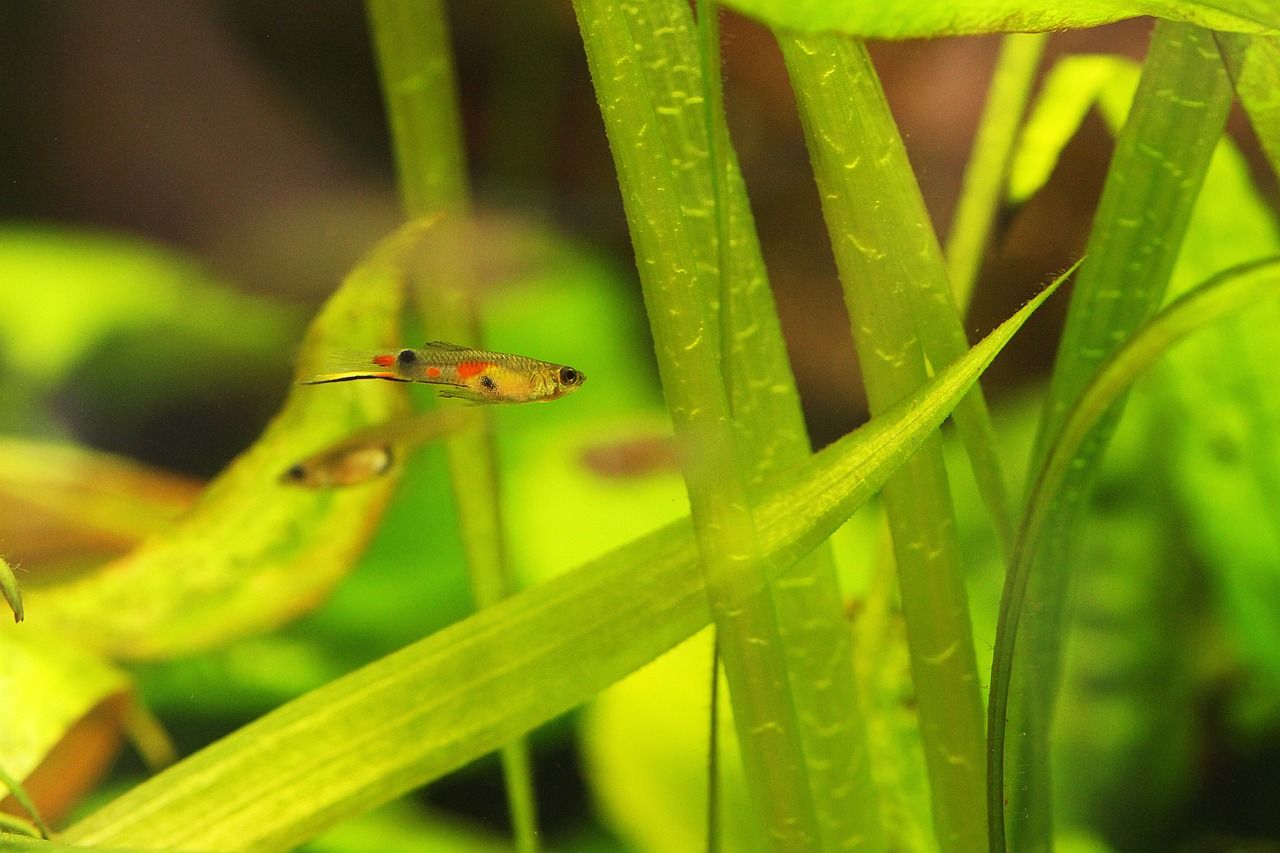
477 376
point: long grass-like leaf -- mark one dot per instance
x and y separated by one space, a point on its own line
654 85
993 145
1160 161
416 64
1255 72
1225 295
686 342
901 308
446 700
899 19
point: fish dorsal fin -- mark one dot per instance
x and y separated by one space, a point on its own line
445 345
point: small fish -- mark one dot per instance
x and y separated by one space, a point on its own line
467 374
373 451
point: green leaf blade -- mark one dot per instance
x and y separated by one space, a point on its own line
901 19
1160 161
255 552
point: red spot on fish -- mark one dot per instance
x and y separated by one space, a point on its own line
384 360
467 369
433 372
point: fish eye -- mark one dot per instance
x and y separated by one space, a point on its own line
407 356
569 376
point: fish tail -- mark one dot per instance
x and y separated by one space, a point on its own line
348 366
323 378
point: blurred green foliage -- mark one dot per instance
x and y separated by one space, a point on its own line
1168 717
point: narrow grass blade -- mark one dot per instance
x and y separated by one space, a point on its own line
1160 161
452 697
415 61
677 296
9 589
654 84
900 19
14 789
254 552
984 175
900 305
886 251
1255 71
1225 295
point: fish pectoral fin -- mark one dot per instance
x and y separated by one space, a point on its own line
444 345
464 394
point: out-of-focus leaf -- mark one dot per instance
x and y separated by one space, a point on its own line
59 501
1156 172
1230 293
1223 422
403 826
254 552
899 19
461 693
63 292
18 844
47 686
1128 706
1072 86
1256 75
606 495
645 744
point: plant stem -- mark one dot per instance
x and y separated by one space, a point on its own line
988 165
415 61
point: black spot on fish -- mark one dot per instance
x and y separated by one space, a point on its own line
406 356
488 384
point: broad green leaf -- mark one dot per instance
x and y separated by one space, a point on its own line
1255 71
1209 303
1156 172
465 691
901 19
254 552
1071 88
47 684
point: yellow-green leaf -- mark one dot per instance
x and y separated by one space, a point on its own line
254 552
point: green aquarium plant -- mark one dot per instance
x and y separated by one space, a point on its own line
918 652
